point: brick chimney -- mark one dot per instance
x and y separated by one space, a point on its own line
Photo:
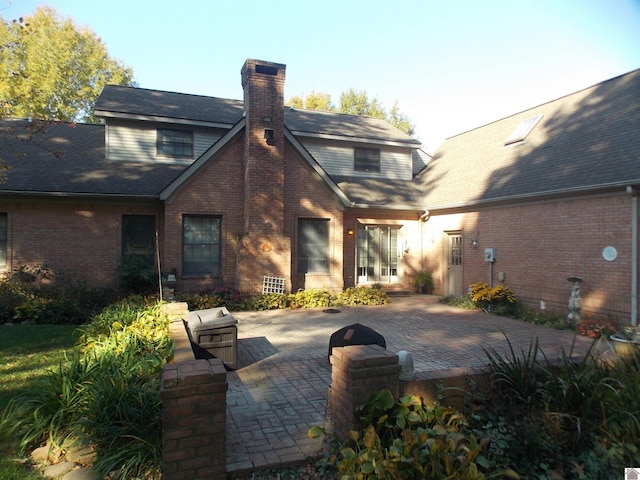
263 84
264 250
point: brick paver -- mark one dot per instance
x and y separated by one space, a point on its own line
280 388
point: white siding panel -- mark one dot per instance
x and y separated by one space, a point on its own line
202 140
132 143
395 163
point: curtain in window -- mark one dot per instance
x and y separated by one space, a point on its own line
313 245
138 237
201 245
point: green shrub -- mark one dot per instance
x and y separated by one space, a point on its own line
106 395
408 439
554 420
199 301
320 298
500 299
312 298
424 282
38 295
270 301
218 297
11 296
135 275
361 296
461 301
545 318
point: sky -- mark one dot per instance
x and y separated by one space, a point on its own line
452 65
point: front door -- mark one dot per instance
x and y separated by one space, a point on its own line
378 254
454 264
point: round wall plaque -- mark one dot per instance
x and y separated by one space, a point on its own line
609 253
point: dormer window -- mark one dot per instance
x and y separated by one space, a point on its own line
366 159
175 143
522 130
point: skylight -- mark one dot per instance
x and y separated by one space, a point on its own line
522 130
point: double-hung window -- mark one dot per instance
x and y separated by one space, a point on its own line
138 237
3 240
366 159
201 245
313 245
174 143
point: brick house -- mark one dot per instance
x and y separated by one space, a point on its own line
553 191
237 190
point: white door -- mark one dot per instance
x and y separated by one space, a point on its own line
378 254
454 264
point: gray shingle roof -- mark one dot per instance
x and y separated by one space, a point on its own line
585 141
344 125
69 159
379 192
155 103
130 101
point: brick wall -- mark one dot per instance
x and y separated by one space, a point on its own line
359 371
194 406
81 239
539 245
306 196
216 190
356 372
260 190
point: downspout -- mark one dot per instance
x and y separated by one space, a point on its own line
634 255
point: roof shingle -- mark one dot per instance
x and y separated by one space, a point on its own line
585 141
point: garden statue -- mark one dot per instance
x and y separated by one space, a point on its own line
575 302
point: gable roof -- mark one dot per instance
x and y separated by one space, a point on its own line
331 125
142 104
56 158
584 142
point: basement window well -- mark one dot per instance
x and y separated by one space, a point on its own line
522 130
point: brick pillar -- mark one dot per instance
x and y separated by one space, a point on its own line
358 371
194 410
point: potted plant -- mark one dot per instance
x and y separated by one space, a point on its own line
424 282
624 342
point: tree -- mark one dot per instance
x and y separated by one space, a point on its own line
313 101
400 120
358 103
355 103
50 69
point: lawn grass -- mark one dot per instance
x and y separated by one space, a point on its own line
26 354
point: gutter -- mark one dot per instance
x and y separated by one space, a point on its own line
549 194
37 193
634 255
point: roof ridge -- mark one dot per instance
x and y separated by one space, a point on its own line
570 94
172 92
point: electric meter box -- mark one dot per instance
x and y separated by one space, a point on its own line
490 254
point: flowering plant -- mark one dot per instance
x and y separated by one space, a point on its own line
485 297
596 328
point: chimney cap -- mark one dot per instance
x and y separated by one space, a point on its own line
263 66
